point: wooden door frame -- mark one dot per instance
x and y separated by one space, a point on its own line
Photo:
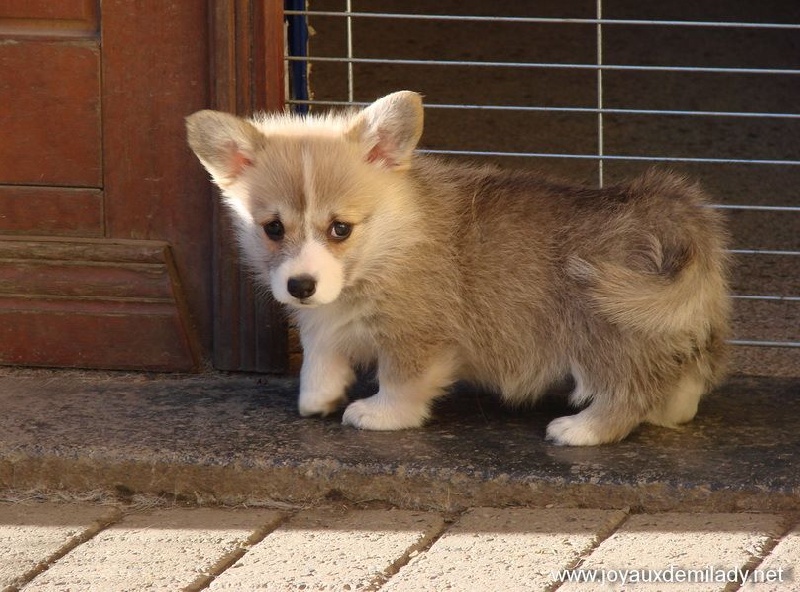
247 75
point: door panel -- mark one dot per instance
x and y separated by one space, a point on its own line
51 211
50 113
45 17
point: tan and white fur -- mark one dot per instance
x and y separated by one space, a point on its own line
439 272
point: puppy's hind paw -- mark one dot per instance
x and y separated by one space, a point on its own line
376 413
573 430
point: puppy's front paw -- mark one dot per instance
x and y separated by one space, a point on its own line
375 413
316 403
573 430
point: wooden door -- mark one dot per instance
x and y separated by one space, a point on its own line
107 222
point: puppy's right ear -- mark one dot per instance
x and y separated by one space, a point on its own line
388 130
224 143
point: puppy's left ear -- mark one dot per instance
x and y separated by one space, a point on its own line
389 129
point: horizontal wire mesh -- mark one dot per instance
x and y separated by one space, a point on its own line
534 109
545 65
543 20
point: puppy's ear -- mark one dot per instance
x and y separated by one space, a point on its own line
224 143
389 129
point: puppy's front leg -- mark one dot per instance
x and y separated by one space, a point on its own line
324 379
401 404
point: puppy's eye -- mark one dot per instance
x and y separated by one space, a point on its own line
340 230
274 230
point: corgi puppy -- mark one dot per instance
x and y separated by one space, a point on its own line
439 272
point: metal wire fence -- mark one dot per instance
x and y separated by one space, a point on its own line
600 32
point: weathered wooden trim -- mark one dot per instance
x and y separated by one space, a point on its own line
94 303
247 75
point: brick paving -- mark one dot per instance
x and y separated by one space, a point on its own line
84 546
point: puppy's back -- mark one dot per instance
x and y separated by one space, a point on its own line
542 261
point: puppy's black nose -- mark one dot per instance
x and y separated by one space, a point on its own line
302 286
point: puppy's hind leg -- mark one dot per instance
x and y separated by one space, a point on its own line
599 423
646 388
698 376
680 405
401 404
608 417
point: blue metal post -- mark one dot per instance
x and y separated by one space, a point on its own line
298 46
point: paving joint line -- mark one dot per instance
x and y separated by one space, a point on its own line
230 558
98 526
756 559
602 536
427 541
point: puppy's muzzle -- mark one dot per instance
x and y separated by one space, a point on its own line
301 286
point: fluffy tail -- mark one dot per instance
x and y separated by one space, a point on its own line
652 302
668 281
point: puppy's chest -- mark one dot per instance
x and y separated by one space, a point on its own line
353 331
361 332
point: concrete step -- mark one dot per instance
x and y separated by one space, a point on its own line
238 439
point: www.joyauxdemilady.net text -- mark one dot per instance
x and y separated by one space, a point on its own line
673 575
